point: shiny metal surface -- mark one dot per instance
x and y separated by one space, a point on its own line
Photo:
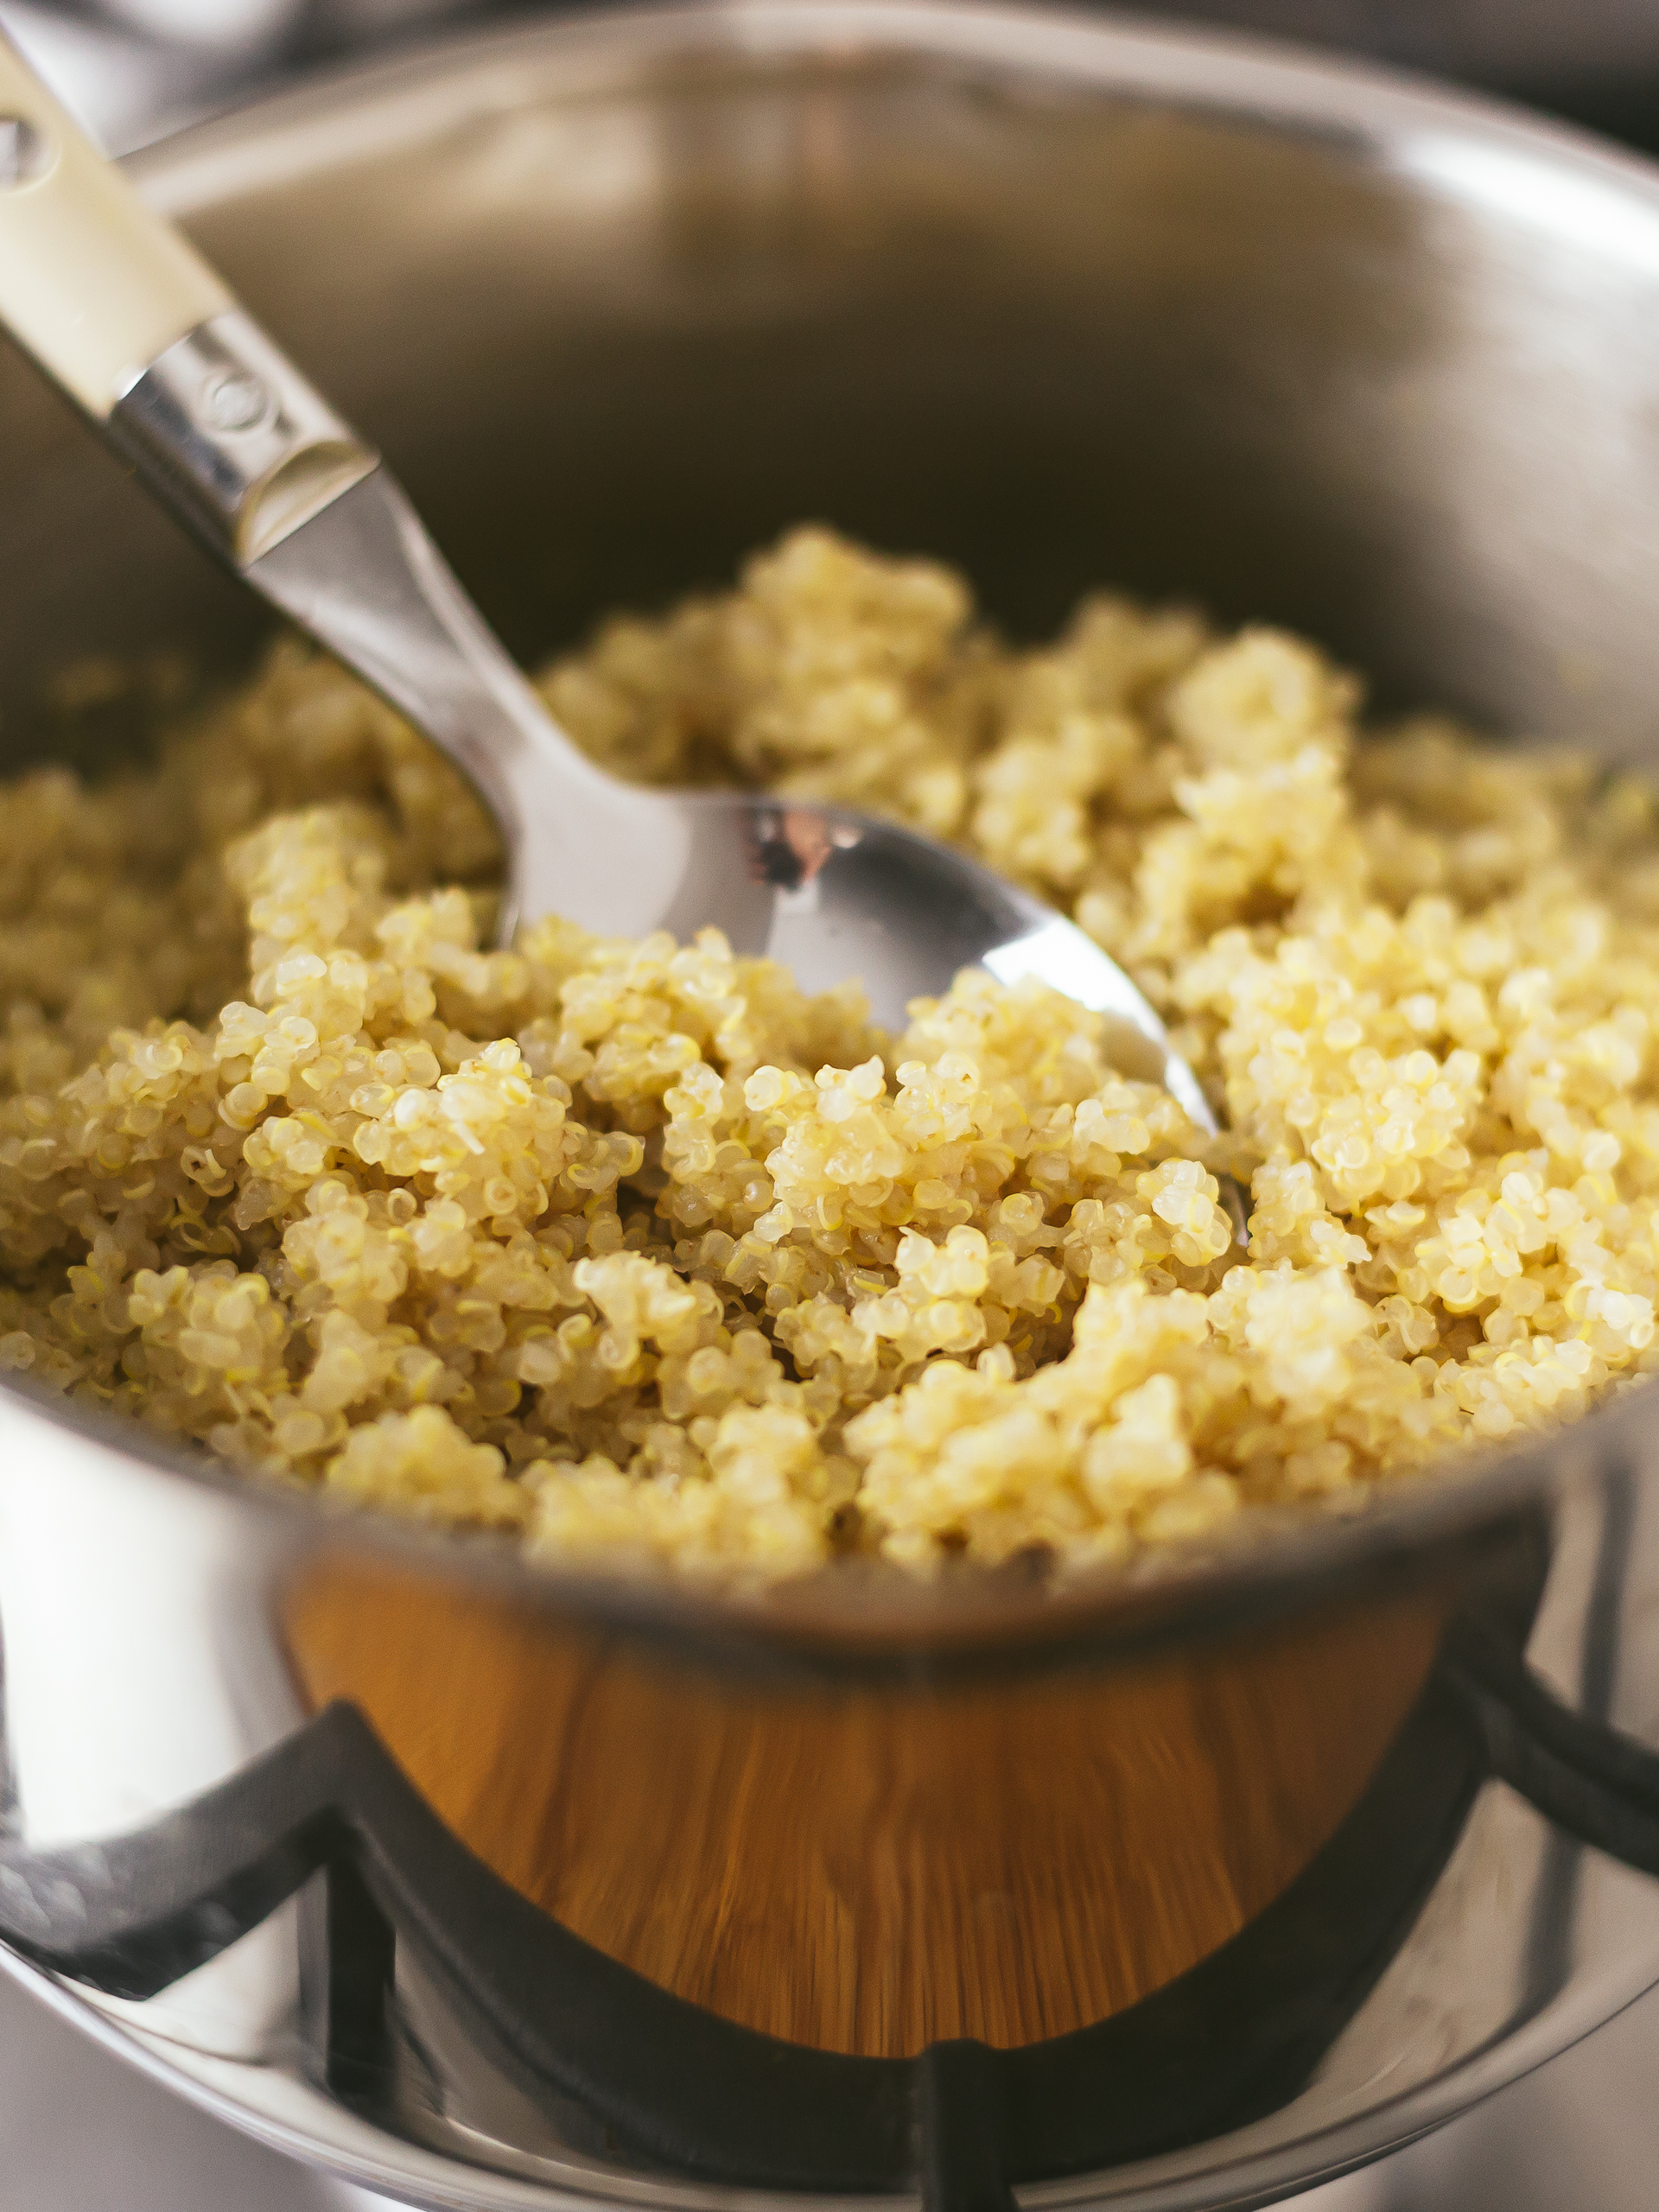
85 2133
1510 43
236 438
1065 302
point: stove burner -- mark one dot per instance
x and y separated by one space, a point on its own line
1228 2042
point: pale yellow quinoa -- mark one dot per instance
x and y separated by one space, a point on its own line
634 1250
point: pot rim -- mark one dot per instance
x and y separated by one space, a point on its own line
1460 146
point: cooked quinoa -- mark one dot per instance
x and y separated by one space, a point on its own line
638 1251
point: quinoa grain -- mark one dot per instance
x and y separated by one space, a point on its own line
635 1250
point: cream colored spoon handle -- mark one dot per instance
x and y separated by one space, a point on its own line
128 318
94 283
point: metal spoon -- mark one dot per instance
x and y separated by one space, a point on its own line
124 316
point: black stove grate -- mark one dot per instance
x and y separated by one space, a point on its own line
669 2083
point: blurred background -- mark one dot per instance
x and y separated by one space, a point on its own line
138 68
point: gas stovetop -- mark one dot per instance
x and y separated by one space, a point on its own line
82 2131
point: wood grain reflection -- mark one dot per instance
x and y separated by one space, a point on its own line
868 1869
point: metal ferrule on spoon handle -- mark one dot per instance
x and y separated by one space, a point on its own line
121 312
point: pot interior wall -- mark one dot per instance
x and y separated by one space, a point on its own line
616 338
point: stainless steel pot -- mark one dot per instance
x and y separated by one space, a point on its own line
495 1888
1594 45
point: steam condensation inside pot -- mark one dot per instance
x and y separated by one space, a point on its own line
636 1251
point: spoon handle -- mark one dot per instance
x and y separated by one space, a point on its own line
125 316
94 283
